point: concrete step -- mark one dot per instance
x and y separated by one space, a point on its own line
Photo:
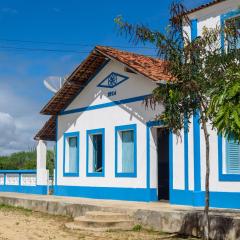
73 226
86 222
99 215
102 221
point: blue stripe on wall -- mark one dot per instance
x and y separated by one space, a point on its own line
24 189
170 162
196 152
186 153
217 199
19 171
196 128
129 194
56 154
149 125
194 32
223 18
105 105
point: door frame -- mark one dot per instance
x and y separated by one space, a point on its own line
153 196
158 147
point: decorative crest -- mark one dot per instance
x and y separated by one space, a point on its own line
112 80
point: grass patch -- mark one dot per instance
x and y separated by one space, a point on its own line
13 208
28 212
137 228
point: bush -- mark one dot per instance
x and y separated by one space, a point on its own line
25 160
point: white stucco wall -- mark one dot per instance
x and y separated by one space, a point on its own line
210 18
215 184
1 179
108 118
135 113
214 11
178 162
136 85
12 179
190 157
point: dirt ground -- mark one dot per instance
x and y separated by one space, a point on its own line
21 224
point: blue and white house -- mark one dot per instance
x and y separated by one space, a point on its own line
109 146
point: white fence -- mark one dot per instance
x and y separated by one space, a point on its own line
24 181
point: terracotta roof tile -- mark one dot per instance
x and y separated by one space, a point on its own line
152 68
204 6
48 131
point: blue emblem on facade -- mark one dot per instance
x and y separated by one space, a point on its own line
112 80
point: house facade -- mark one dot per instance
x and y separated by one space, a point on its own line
109 144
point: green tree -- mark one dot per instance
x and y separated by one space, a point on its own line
224 108
202 75
25 160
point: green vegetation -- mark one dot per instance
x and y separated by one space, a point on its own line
25 160
5 207
137 228
204 80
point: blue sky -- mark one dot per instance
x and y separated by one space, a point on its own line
87 23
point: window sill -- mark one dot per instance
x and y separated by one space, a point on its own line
95 174
229 177
127 175
71 174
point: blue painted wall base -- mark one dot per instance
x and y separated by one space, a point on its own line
128 194
24 189
217 199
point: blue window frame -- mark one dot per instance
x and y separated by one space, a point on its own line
229 160
126 151
71 154
225 18
95 140
232 157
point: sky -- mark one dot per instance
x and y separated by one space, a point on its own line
49 38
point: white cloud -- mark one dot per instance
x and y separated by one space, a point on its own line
11 139
7 129
22 95
19 122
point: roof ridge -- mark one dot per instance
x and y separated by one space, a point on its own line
202 6
152 68
100 47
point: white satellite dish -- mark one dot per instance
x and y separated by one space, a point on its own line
54 83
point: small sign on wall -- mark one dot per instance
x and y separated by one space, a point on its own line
112 81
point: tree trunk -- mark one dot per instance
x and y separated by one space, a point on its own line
206 220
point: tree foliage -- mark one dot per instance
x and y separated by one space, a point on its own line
204 79
201 73
224 109
25 160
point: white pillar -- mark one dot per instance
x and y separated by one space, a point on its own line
42 172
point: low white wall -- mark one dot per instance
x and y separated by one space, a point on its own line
1 179
28 180
14 179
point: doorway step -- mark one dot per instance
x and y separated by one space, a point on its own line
101 221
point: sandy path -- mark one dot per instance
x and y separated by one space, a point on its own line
19 224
